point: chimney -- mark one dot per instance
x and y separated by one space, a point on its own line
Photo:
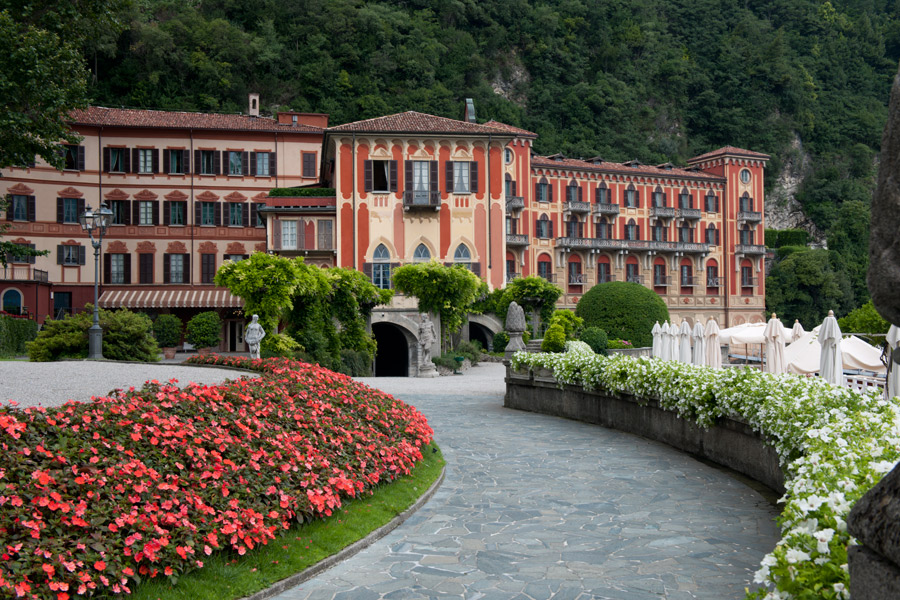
470 110
254 105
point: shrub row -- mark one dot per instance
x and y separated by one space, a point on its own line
15 332
301 192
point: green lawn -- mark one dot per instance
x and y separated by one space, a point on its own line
225 575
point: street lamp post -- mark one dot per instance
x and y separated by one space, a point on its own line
95 222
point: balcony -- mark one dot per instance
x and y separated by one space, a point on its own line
414 200
689 281
576 278
516 239
692 248
575 243
714 282
608 277
515 203
511 276
661 281
750 216
749 281
639 279
607 244
750 249
549 277
662 212
689 214
603 209
577 206
24 273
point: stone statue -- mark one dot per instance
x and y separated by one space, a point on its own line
515 327
426 340
253 335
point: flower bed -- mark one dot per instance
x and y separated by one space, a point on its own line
834 444
95 496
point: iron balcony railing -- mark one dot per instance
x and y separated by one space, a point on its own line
693 247
516 239
749 281
660 280
551 277
662 212
750 216
635 279
578 243
577 206
515 202
714 282
688 281
605 278
750 249
576 278
604 209
416 199
512 276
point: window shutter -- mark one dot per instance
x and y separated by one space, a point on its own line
393 175
197 162
367 270
167 212
473 177
166 163
580 194
82 255
514 188
537 191
127 268
550 223
59 210
186 161
126 211
217 162
272 171
433 176
106 160
254 215
253 163
276 234
637 199
245 163
476 268
217 212
155 161
107 268
135 160
155 204
408 176
187 278
367 176
597 195
550 193
166 269
197 213
537 227
81 158
448 174
59 254
135 212
31 209
245 213
79 207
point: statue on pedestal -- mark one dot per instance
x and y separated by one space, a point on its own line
253 335
426 340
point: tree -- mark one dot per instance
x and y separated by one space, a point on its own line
445 291
10 249
805 286
864 319
532 293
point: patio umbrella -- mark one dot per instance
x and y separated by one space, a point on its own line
713 347
655 331
684 343
665 348
892 386
699 356
673 342
774 336
831 363
797 331
805 355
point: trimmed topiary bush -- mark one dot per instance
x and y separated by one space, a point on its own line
167 329
623 310
595 338
571 324
554 339
204 330
126 336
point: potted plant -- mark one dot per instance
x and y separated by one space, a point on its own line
204 331
167 329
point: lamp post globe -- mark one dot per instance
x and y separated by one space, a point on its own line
95 222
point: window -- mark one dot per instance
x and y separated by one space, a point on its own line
574 229
603 230
18 208
145 263
747 277
712 235
746 203
712 276
325 239
461 177
659 275
381 268
120 212
176 161
573 193
543 227
712 202
463 257
235 163
659 199
208 162
508 155
510 187
575 276
116 162
421 254
207 268
603 273
512 226
380 176
684 200
288 235
69 209
746 235
659 232
235 214
685 234
12 302
70 255
602 196
543 192
21 258
177 211
146 212
145 160
687 278
632 231
309 164
745 176
262 164
208 213
117 269
73 156
631 197
545 268
632 273
420 181
175 268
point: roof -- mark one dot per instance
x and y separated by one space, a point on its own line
416 122
511 129
133 117
612 167
730 151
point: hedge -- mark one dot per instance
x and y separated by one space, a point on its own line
14 333
623 310
301 192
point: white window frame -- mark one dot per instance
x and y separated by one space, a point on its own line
235 214
176 268
19 208
262 164
235 163
145 212
461 177
117 268
145 161
288 234
70 255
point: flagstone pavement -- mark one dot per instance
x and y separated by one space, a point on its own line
537 507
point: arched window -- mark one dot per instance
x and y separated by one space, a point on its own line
545 267
462 256
574 228
576 277
604 270
601 194
685 233
687 276
748 281
632 230
746 202
12 302
631 198
633 270
510 186
746 235
543 227
660 277
604 231
660 231
573 192
684 199
543 192
712 202
381 267
713 283
659 197
421 254
712 235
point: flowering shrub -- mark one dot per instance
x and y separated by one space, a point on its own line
833 444
618 344
95 496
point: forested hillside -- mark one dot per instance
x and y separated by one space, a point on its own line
660 80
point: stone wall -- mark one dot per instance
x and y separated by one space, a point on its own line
730 443
875 564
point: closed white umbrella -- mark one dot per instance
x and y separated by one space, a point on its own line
673 342
713 347
665 348
831 363
655 352
774 336
892 386
684 342
699 355
797 331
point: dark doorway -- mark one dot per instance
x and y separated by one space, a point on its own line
62 304
392 356
482 335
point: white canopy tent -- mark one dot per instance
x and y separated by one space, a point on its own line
804 356
749 333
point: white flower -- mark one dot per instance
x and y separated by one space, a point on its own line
794 556
822 539
882 466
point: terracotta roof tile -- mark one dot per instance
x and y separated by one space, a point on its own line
130 117
619 168
416 122
730 150
511 129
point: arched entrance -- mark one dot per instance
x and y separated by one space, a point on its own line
392 356
481 334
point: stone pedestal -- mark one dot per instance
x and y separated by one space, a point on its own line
875 522
428 370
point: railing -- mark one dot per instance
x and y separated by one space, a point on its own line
605 278
689 281
749 281
714 282
516 239
574 242
688 213
515 202
750 249
550 277
577 206
662 212
24 273
693 247
750 216
660 280
603 208
635 279
576 279
414 199
607 244
511 276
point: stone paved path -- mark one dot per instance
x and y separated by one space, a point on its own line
537 507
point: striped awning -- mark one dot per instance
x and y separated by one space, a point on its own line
208 298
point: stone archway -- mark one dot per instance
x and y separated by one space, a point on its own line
483 328
397 353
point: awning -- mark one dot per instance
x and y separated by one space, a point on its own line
209 298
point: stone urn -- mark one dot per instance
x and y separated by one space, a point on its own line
169 352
